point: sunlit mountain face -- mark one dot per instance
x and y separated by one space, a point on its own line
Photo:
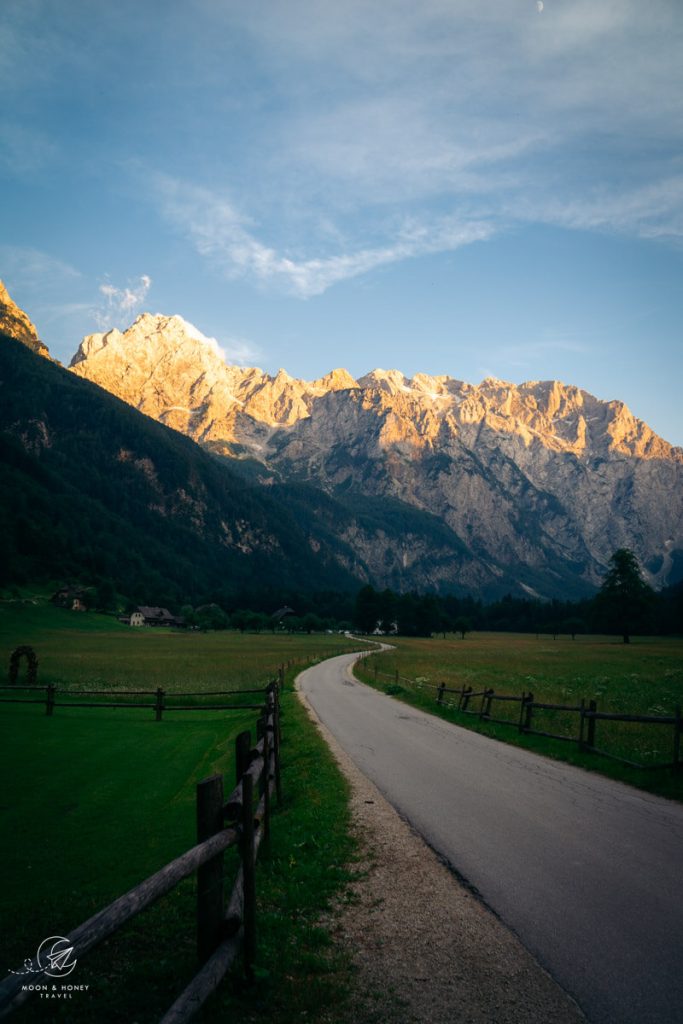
537 483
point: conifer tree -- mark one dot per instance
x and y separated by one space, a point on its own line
625 599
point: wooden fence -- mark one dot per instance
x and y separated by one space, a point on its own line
480 703
159 699
159 702
223 929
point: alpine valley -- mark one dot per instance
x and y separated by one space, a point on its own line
426 483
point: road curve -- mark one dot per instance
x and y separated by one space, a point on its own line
587 871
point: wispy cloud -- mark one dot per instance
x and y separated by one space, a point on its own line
450 102
227 239
395 147
364 117
240 352
462 118
22 266
653 210
120 304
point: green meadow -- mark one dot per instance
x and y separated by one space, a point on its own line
94 800
644 677
83 650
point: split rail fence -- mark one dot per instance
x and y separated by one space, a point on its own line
67 698
481 703
223 929
157 700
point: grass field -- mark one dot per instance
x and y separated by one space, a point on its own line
643 677
77 650
94 800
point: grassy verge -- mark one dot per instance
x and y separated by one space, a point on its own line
644 677
300 974
93 801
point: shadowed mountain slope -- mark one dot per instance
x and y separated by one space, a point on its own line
92 487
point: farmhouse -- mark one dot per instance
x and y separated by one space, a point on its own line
146 615
70 597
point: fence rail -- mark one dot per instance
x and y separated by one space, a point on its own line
588 715
461 700
159 705
243 820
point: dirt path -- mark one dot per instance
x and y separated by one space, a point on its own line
426 951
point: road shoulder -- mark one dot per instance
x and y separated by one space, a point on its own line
425 950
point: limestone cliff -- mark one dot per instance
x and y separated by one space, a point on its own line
14 321
169 370
536 480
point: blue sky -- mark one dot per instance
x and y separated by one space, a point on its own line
478 189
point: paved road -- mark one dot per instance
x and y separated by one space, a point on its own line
588 872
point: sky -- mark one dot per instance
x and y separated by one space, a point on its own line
448 187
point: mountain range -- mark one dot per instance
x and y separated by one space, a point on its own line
424 482
534 485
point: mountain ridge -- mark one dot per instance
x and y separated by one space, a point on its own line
529 409
539 479
425 482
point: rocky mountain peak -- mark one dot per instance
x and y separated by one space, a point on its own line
151 338
168 369
531 475
164 366
391 381
335 380
16 323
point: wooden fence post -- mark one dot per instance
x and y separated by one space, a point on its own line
278 709
159 705
276 745
242 748
264 785
439 696
590 739
582 724
209 875
520 724
466 698
528 711
678 726
50 699
248 875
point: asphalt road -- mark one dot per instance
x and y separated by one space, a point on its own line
588 872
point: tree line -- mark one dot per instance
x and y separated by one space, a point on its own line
625 604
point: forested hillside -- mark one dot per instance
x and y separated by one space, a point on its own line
94 490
